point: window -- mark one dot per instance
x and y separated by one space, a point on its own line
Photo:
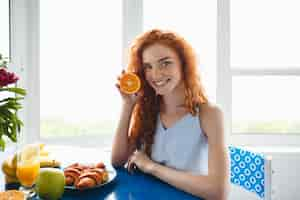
196 22
80 57
248 59
4 23
265 66
263 104
265 34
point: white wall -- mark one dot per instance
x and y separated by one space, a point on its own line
286 177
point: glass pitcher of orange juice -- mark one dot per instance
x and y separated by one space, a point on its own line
28 167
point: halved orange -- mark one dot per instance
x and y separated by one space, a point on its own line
130 83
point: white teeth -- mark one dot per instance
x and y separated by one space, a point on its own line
160 83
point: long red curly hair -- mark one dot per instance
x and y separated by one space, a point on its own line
144 116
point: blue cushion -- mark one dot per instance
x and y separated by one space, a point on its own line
247 170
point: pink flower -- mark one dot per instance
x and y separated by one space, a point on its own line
7 78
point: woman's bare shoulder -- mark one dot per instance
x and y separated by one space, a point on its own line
211 116
209 110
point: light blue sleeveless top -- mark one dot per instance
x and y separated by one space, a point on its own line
182 146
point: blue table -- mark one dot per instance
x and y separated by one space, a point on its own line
126 186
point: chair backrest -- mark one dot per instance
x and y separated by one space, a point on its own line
252 171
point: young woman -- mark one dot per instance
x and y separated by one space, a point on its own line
169 129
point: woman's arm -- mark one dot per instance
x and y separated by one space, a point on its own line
121 149
213 186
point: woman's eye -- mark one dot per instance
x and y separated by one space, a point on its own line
165 64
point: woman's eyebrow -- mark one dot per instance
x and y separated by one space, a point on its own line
145 64
159 60
163 58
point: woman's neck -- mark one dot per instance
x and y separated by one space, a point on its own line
174 101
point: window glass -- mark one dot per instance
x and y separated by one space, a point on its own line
265 34
4 24
80 60
266 104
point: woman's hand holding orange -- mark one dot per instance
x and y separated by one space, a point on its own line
128 86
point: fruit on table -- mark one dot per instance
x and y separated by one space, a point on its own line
47 161
50 183
9 165
9 171
130 83
8 168
10 179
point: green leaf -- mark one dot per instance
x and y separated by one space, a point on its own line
16 90
11 104
2 144
5 112
12 99
10 124
2 120
19 124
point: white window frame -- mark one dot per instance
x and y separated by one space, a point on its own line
25 55
24 48
225 73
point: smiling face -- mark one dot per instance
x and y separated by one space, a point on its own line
162 68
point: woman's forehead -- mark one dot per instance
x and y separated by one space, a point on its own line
155 52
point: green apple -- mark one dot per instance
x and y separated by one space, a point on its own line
50 183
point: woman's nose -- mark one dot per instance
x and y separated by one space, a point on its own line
156 73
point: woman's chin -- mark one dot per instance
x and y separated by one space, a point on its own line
162 91
159 91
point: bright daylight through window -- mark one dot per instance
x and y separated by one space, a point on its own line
81 56
4 22
80 45
265 56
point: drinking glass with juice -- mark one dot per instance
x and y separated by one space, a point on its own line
28 167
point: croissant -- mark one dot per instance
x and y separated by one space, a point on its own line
101 172
89 178
73 165
71 175
85 176
100 165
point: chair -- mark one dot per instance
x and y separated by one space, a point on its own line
252 171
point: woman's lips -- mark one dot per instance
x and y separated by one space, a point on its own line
160 83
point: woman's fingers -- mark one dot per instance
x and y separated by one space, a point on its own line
118 87
139 94
122 72
131 166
